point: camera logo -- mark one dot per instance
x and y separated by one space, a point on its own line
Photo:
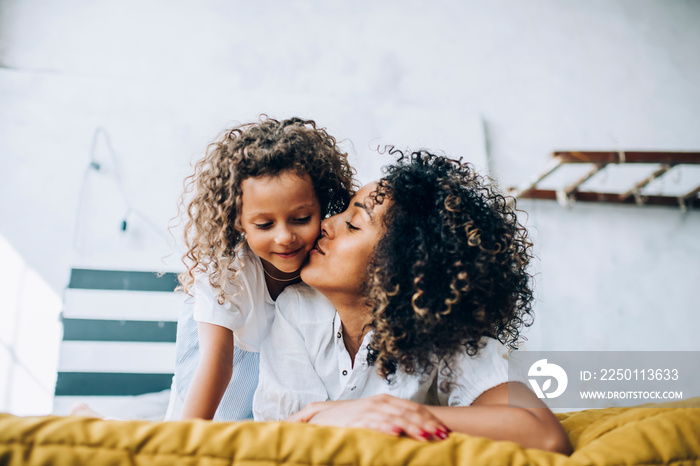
541 369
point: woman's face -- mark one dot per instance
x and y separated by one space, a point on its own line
338 262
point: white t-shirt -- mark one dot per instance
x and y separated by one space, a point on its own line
249 309
303 359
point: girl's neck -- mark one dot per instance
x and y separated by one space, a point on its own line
277 281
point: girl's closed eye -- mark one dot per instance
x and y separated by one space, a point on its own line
263 226
302 220
351 227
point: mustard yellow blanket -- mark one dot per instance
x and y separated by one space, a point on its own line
666 433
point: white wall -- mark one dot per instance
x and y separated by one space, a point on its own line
165 77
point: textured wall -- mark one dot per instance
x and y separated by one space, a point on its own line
164 77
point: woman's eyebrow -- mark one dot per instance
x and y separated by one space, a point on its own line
365 208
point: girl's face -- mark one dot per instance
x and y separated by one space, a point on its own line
280 216
338 263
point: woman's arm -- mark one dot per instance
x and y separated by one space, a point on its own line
509 411
213 373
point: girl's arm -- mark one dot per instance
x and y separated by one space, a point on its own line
213 373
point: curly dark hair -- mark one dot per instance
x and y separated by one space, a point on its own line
450 269
267 147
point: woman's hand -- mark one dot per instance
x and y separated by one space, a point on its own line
383 413
312 409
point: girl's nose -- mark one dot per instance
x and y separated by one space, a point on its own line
284 236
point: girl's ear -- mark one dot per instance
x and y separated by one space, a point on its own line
239 228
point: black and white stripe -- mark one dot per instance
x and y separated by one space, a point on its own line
118 340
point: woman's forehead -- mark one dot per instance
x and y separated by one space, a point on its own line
365 195
367 189
367 199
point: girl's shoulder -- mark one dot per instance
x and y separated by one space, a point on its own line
302 303
244 257
244 264
242 271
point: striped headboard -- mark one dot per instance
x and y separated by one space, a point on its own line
118 348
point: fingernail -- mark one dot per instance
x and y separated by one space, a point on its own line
424 434
441 434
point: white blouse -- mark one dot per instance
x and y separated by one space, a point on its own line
247 312
248 309
303 359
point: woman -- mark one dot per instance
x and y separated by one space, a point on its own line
420 287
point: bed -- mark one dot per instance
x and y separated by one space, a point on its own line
667 433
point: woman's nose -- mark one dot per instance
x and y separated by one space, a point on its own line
328 226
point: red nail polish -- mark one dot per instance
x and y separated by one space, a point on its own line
424 434
441 434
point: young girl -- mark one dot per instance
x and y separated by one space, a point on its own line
259 196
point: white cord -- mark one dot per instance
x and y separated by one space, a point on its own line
94 165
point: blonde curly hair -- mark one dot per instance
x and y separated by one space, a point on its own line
267 147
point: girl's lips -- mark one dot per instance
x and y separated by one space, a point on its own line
288 255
